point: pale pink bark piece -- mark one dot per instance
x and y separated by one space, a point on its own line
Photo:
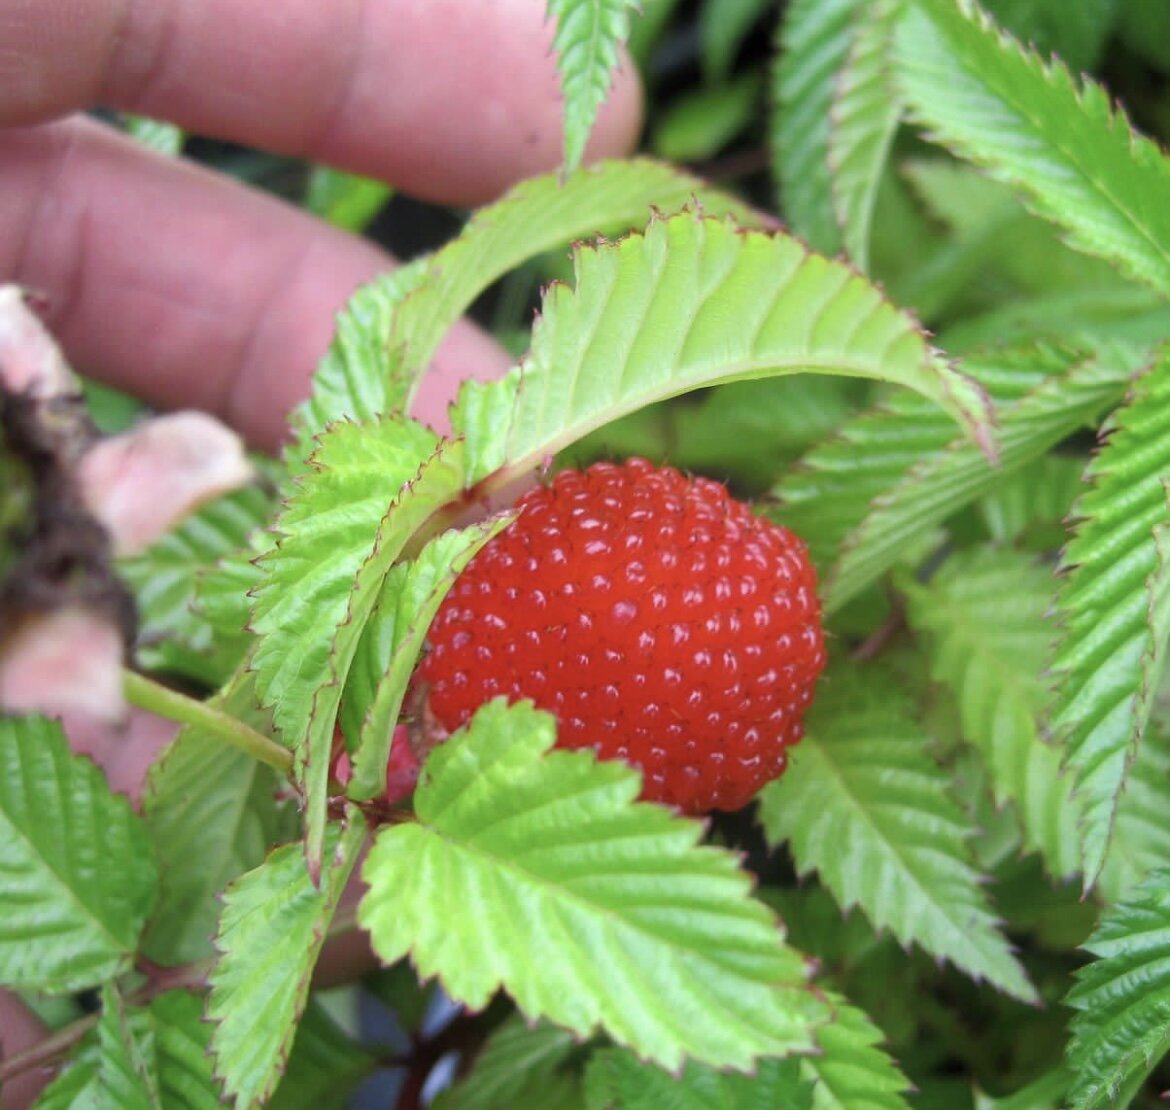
30 360
68 661
140 484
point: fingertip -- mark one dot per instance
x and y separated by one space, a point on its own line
619 122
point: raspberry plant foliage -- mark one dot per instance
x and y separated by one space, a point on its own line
976 820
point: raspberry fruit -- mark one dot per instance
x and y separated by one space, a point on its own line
655 616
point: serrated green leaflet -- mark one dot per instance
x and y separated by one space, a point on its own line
1141 833
340 533
1123 1028
171 634
943 482
827 493
588 36
353 381
1067 147
75 865
1114 607
814 44
515 1057
617 1078
693 302
537 872
862 776
830 491
411 595
222 591
985 615
273 925
536 216
125 1076
865 112
852 1072
325 535
141 1057
1038 497
212 814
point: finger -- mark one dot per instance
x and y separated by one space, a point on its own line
20 1029
448 99
182 286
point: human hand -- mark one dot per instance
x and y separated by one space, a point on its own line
191 290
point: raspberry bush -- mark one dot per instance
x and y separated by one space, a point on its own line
387 663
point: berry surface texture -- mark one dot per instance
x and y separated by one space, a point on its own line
655 616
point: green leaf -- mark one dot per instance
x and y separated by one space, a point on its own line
125 1077
339 534
815 38
1076 32
1114 607
1038 496
172 635
1046 1093
1123 1028
863 776
617 1080
1113 313
323 1066
944 481
538 873
212 814
75 865
693 302
1141 833
588 37
356 380
536 216
826 496
411 596
181 1041
346 200
745 432
699 124
723 26
516 1059
985 615
865 113
1064 145
852 1072
141 1057
157 135
273 925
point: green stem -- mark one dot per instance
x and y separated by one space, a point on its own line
147 694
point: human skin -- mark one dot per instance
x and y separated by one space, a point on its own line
192 290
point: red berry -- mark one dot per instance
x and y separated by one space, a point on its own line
658 619
401 770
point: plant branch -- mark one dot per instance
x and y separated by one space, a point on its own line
146 693
45 1053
